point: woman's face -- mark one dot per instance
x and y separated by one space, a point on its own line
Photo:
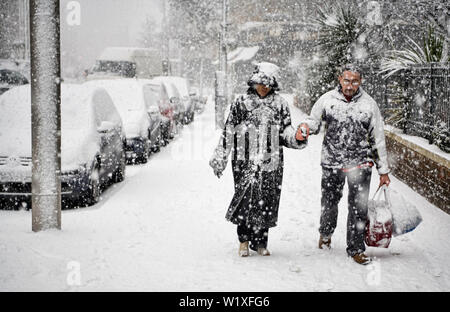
262 90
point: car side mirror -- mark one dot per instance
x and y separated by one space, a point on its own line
105 127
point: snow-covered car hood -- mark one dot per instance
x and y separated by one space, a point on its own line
79 139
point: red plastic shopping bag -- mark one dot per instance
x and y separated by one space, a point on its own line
379 220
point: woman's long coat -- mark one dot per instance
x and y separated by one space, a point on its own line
255 132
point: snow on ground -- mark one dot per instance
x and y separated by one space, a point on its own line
163 229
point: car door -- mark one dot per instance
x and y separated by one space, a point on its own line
151 98
175 100
165 107
110 129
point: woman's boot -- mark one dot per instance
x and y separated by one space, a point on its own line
243 249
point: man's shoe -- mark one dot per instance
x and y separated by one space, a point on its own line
324 241
263 252
361 258
243 249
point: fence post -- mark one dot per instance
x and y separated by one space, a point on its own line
407 101
432 104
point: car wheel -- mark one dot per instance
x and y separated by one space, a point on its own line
172 131
119 174
144 157
157 147
164 138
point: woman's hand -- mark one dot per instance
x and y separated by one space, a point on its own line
217 167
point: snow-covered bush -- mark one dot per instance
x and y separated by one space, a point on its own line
441 136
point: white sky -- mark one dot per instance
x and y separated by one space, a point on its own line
103 23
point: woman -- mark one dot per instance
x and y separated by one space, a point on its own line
258 126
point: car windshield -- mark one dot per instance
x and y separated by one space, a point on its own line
151 95
127 96
181 85
172 91
122 68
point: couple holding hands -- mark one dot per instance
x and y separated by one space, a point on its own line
259 126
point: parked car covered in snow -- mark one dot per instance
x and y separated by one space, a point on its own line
142 133
10 79
157 102
198 100
182 84
92 145
182 94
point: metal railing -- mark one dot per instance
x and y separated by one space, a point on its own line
416 100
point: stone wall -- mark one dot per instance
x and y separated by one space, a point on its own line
425 172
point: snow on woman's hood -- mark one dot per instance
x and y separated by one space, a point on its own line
265 73
269 69
79 138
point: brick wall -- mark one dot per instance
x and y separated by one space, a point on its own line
425 172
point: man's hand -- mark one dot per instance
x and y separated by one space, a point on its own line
302 132
384 180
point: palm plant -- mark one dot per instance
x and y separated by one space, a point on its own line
432 50
340 30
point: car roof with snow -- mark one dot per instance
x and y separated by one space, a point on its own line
180 83
125 93
171 88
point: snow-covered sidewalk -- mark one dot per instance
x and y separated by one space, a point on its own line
163 229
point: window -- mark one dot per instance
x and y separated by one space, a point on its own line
122 68
151 95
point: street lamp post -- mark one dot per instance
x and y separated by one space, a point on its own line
45 114
221 92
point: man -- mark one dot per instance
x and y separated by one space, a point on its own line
354 139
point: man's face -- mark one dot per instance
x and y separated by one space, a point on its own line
262 89
350 82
